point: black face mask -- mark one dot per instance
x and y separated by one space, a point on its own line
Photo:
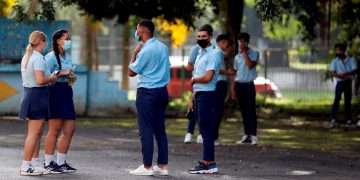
339 55
203 43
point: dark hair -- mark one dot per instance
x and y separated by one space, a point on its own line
208 28
148 24
222 37
341 46
244 36
56 36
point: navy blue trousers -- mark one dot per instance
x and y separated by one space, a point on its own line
206 115
346 88
246 96
192 119
151 105
221 93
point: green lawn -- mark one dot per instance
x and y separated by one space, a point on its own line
293 132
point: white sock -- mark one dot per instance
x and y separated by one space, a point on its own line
49 158
61 158
25 165
35 162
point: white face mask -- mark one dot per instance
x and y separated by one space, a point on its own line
67 45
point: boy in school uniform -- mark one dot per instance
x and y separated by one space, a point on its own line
151 63
205 74
343 69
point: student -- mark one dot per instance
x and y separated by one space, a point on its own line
343 68
206 71
243 88
225 49
62 111
151 63
190 115
35 101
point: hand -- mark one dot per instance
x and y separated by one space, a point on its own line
233 95
192 81
138 48
52 78
341 75
65 72
191 106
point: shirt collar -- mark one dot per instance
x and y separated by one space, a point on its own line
149 41
37 53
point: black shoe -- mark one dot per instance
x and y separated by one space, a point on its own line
66 168
204 169
53 168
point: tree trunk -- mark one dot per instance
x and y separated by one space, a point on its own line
89 45
126 55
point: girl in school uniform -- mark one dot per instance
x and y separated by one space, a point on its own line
62 111
35 101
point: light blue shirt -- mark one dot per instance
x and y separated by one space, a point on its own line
340 66
207 59
243 72
152 64
36 63
221 55
194 53
66 63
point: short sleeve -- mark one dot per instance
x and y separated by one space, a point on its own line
39 65
332 65
193 54
139 64
213 62
50 62
254 56
236 59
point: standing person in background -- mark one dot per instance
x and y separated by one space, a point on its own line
62 110
190 67
243 88
35 101
151 63
225 48
205 75
343 69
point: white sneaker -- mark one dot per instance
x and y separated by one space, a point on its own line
254 140
142 171
30 172
39 166
332 124
199 139
188 138
217 143
358 124
243 140
160 171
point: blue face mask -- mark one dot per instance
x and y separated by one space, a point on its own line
67 45
137 37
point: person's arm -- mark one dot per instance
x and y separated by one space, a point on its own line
205 78
192 58
42 79
251 63
134 58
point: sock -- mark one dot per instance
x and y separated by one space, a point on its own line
49 158
35 162
25 165
61 158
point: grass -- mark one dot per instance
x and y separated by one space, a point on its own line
294 133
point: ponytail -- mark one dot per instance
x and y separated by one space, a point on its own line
28 52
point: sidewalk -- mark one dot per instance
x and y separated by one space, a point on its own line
109 153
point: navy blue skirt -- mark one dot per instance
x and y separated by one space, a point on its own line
61 104
35 104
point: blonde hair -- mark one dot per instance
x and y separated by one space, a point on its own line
34 40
